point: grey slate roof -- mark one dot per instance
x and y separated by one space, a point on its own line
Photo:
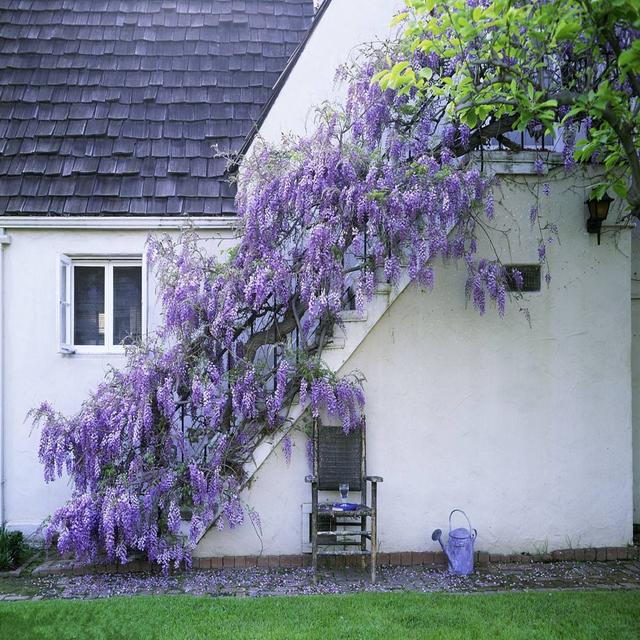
113 107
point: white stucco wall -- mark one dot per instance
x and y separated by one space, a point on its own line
526 428
345 26
34 370
635 367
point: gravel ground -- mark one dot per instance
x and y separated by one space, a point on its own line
268 582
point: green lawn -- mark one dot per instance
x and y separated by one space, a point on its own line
571 615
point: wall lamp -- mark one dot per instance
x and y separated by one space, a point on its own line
598 212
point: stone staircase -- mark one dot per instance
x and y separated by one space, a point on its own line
345 340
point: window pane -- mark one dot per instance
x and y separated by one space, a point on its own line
88 305
127 304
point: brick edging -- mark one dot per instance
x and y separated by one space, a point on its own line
406 558
417 558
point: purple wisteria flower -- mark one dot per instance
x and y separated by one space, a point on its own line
287 448
158 454
542 251
490 205
539 166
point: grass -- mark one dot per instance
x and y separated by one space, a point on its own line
514 616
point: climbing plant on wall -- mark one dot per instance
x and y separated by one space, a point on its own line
158 453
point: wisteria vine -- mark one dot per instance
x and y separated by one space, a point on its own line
158 453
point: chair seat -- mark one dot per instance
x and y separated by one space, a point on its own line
328 509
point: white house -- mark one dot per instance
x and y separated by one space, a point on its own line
110 121
529 427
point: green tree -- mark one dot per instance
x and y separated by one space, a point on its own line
555 67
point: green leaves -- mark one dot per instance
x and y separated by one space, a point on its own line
401 17
399 77
629 59
567 29
541 64
426 73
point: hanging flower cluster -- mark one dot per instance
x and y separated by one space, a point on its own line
157 454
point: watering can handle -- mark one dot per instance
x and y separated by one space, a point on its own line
472 532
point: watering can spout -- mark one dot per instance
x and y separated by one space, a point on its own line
437 535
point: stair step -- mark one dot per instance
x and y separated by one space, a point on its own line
352 315
336 343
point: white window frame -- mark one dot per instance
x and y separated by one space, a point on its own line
67 264
63 317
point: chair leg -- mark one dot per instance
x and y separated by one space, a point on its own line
374 530
314 565
374 548
314 534
363 540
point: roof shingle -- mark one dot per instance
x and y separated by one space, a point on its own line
117 107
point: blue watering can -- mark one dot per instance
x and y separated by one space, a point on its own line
459 549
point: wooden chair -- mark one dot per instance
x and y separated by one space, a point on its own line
337 459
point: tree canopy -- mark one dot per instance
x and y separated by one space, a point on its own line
554 67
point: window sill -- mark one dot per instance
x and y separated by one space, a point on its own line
79 351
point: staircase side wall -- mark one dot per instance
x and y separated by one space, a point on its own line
526 428
635 367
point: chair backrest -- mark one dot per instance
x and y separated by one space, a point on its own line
339 457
